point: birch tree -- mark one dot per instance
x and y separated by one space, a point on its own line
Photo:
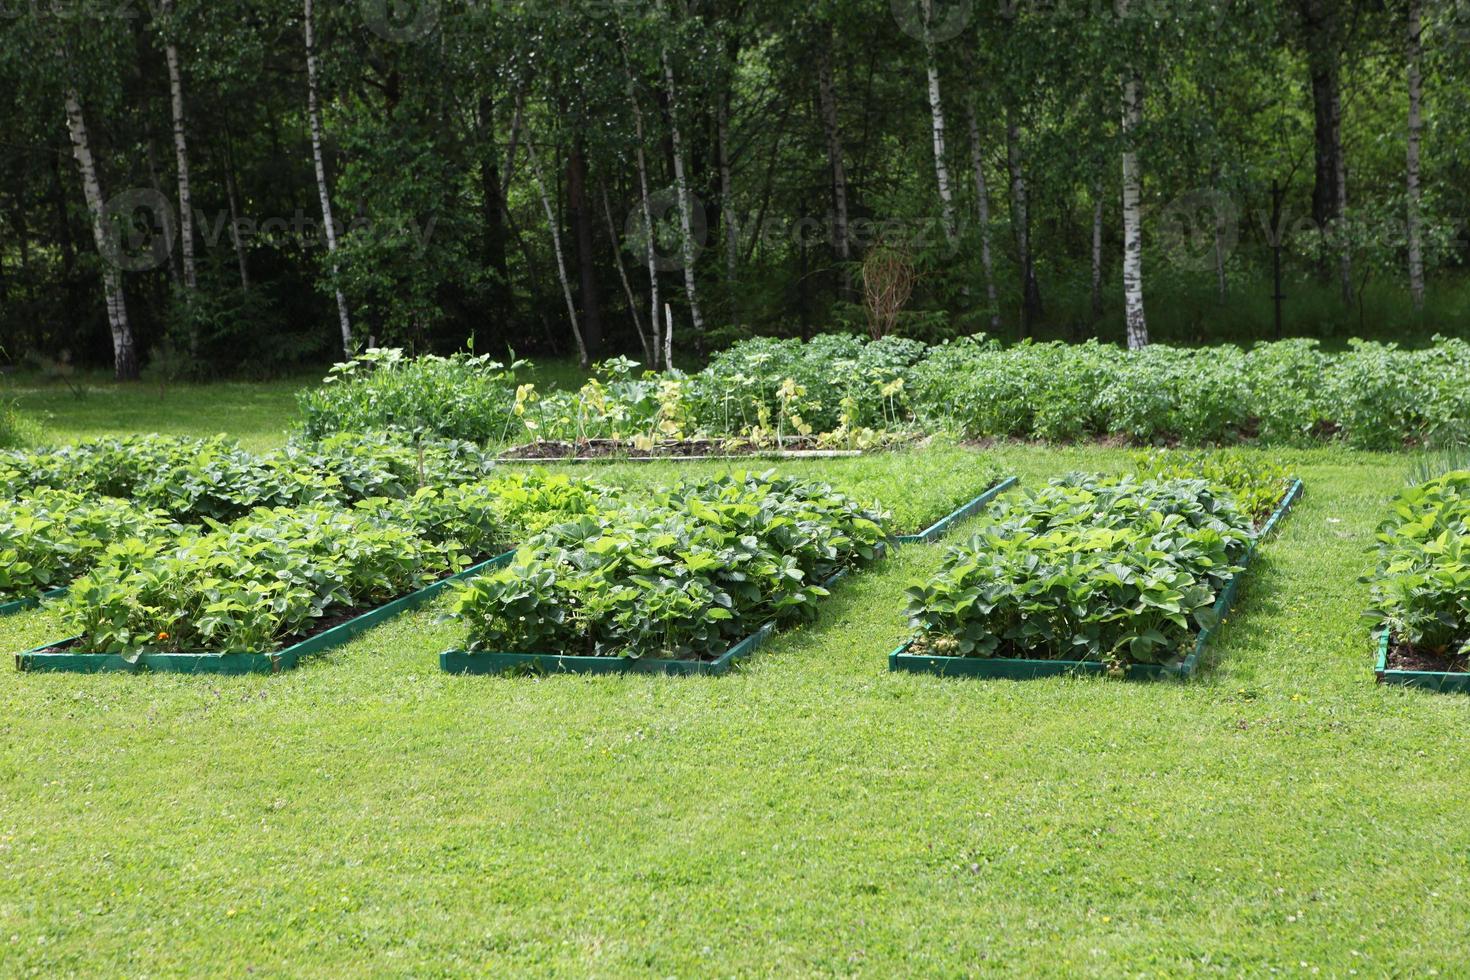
831 129
645 205
936 115
686 204
982 211
314 117
554 227
181 145
124 353
1134 318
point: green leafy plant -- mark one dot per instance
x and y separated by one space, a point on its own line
1421 585
1114 571
682 575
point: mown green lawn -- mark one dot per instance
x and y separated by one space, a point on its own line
811 813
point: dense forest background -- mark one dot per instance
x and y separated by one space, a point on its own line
220 187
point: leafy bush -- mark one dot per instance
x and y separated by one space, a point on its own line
683 576
458 397
1114 571
1421 586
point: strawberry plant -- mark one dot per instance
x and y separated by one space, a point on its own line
683 576
50 536
1421 585
1114 571
253 582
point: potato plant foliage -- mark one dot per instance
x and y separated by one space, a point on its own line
1086 568
683 575
849 391
1421 586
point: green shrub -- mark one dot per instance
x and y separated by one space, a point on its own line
459 397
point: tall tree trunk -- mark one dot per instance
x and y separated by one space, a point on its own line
936 113
1097 260
1132 215
617 248
579 215
646 208
827 99
124 355
982 211
232 195
727 193
1411 168
1321 28
1344 246
181 152
686 205
561 264
1021 223
314 117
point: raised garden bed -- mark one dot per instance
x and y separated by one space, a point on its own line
57 656
1026 669
30 601
463 662
588 450
1399 664
942 526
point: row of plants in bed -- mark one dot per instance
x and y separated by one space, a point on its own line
688 581
1421 586
190 479
268 585
1121 575
61 508
844 392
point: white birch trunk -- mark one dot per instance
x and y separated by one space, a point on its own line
232 194
124 355
181 154
612 230
1411 168
314 116
561 264
1132 216
686 206
936 111
982 213
655 308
